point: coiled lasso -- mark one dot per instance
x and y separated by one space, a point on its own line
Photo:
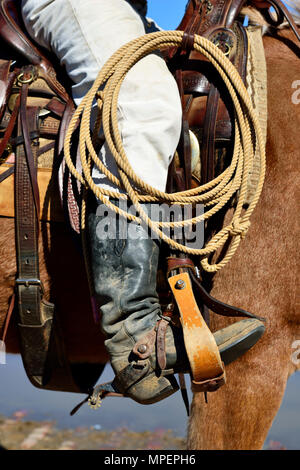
214 194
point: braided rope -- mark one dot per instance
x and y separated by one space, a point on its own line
214 194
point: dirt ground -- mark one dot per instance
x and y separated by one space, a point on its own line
19 434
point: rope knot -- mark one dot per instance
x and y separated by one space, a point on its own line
100 98
239 229
100 95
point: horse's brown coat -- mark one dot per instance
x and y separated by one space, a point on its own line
261 278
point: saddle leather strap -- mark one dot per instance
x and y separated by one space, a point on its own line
184 393
28 148
188 42
56 107
187 154
177 263
34 328
26 210
282 13
7 173
10 127
180 178
218 307
18 141
35 315
42 344
208 139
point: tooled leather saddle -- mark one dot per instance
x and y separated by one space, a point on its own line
35 109
36 106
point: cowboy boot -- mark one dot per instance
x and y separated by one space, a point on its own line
125 275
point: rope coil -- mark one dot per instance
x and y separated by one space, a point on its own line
214 194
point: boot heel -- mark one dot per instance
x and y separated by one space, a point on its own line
152 389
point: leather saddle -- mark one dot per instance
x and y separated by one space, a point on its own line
35 109
36 106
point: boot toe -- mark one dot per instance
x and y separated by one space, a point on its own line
236 339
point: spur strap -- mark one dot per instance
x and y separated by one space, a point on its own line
155 337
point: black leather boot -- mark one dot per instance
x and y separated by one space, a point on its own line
125 276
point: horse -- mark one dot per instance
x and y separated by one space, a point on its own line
260 277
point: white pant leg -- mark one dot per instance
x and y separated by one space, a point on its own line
84 34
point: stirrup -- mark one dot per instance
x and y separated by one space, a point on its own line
208 373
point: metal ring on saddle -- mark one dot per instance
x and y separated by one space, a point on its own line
23 81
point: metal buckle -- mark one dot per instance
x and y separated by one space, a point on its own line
30 282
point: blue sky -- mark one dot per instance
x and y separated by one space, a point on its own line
166 13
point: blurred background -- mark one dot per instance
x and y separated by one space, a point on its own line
18 395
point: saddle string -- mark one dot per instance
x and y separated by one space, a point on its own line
214 194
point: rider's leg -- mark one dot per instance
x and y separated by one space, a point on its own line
84 34
124 264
